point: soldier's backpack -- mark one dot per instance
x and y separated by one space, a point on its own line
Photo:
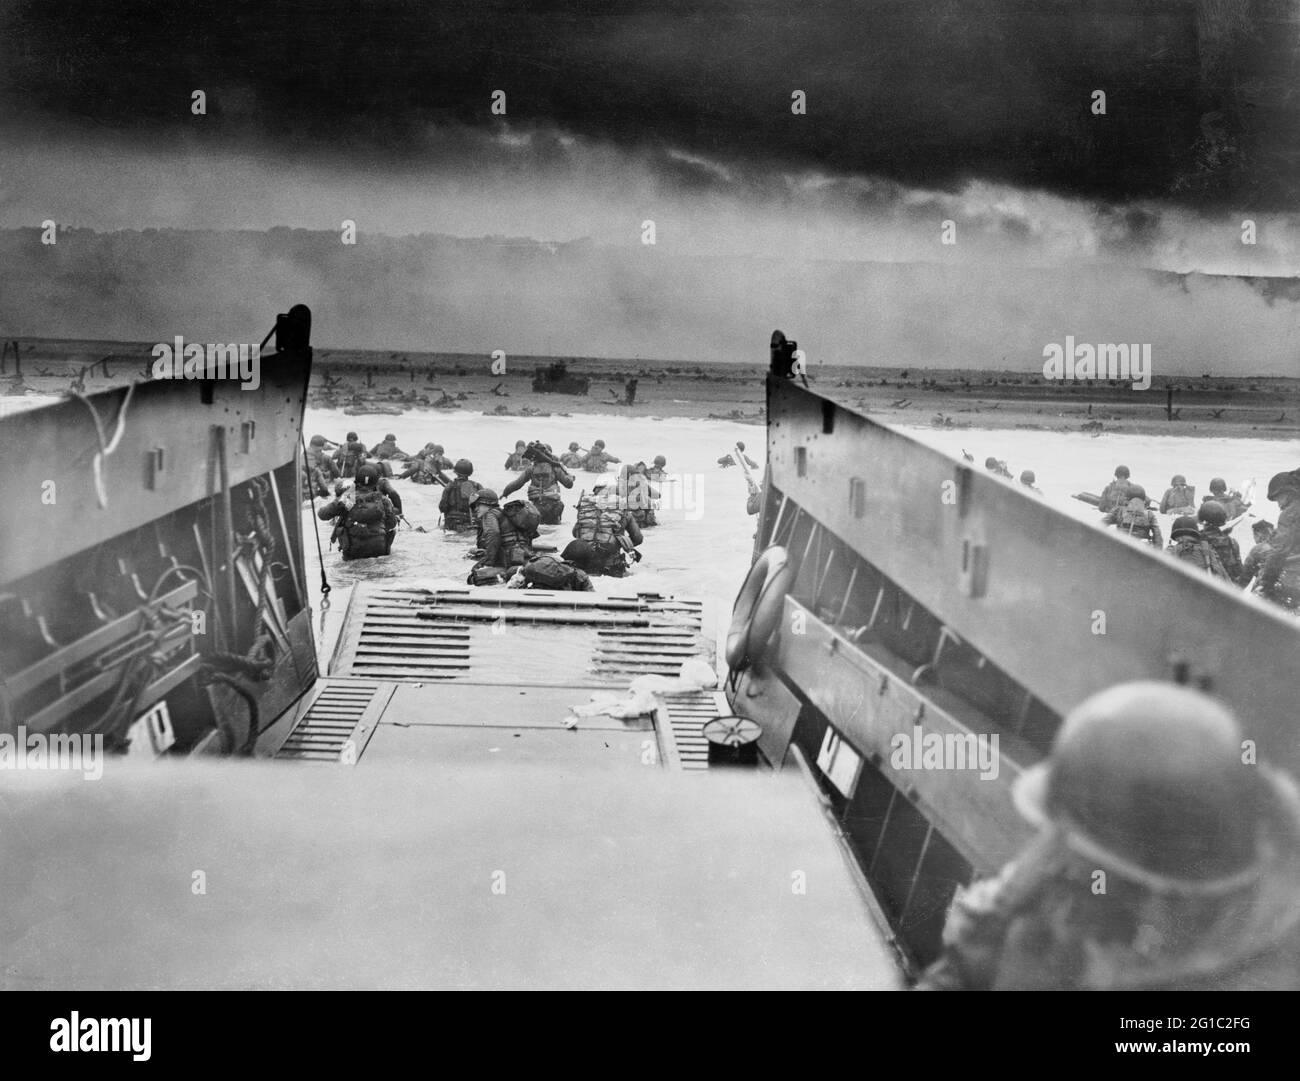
1228 555
368 508
460 493
487 576
1135 520
524 516
603 528
353 453
547 572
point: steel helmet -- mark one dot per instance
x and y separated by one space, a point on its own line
990 463
1184 526
1178 481
573 446
1262 527
660 460
1027 477
317 441
1121 471
599 443
437 447
740 444
351 436
1147 779
367 476
464 468
1283 482
1136 491
484 495
390 438
1218 485
1212 513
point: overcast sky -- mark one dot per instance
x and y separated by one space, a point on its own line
979 112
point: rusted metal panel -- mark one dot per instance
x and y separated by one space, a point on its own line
1021 581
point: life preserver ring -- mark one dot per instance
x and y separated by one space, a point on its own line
758 607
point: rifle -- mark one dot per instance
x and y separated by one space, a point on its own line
416 528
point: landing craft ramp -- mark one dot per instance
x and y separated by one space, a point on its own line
935 599
442 674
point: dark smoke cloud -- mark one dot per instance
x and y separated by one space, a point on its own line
1200 102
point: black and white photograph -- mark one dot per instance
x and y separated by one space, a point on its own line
666 495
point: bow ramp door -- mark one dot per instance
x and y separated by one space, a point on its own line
492 673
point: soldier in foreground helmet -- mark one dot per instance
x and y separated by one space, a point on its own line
1027 478
1279 577
1166 859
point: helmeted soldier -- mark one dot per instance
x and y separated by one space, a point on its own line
564 572
365 519
1212 517
636 495
544 474
1179 497
1027 478
1115 494
387 449
612 532
1187 544
500 544
318 467
1233 502
1279 577
350 455
1134 520
515 459
573 457
598 458
1254 561
456 504
1164 861
659 470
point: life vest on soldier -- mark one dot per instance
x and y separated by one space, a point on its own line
515 548
543 483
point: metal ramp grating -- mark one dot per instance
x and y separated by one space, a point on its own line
682 720
342 712
528 637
